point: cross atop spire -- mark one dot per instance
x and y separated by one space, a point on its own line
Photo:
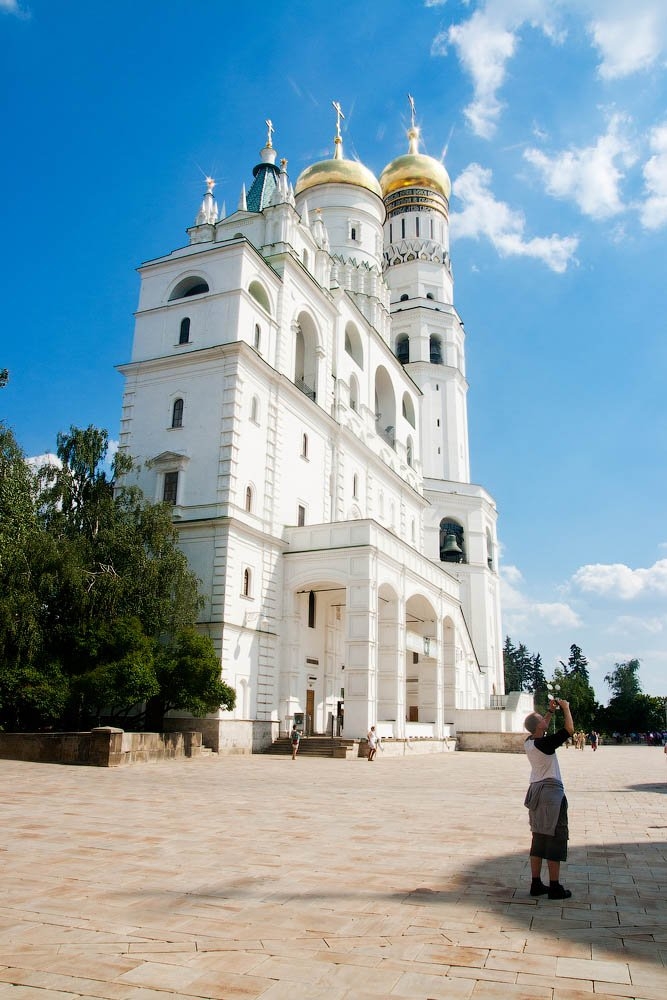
339 115
271 130
412 110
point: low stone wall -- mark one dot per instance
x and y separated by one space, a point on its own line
390 747
230 736
491 742
103 747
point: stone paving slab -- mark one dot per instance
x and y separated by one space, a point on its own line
262 877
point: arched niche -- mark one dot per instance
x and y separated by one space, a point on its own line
193 284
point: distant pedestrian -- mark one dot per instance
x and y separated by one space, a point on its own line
373 740
595 739
295 739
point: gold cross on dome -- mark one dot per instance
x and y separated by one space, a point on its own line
339 115
271 130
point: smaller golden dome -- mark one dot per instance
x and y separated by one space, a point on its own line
338 170
415 170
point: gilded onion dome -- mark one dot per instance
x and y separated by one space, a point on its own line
415 170
337 170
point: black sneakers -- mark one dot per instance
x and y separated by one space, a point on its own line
557 891
538 888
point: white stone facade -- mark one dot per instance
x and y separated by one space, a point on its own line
297 392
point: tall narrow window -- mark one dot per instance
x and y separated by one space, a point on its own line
258 336
254 410
403 228
184 334
300 516
304 446
247 581
248 498
170 488
355 486
416 225
177 413
311 609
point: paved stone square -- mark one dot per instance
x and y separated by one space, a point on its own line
248 877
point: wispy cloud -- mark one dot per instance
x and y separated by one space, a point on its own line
653 213
591 175
520 611
484 47
627 39
484 216
616 580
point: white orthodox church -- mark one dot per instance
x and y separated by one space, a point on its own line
297 393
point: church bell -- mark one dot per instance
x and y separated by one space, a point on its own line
451 550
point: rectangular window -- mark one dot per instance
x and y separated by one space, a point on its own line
301 516
170 490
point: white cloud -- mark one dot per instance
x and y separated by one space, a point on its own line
484 46
521 612
653 213
591 175
630 624
12 7
616 580
627 38
483 216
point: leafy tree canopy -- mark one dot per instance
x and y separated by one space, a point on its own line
97 602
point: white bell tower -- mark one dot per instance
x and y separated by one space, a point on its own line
428 338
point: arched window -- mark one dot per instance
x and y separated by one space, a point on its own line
353 345
192 285
435 347
184 333
403 349
304 446
177 413
404 297
452 542
248 498
311 609
254 410
247 582
408 408
258 336
259 294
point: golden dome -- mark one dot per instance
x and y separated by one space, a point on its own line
415 170
337 170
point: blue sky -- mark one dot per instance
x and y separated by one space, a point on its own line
552 119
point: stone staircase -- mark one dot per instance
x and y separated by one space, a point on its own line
315 746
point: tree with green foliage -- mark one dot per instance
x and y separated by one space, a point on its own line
575 689
97 598
627 708
524 671
577 663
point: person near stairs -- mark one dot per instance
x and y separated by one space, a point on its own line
295 739
545 799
